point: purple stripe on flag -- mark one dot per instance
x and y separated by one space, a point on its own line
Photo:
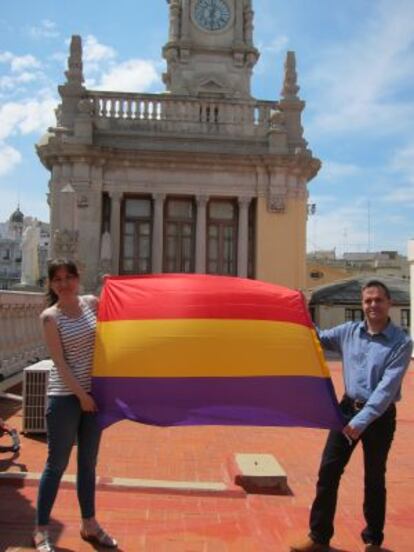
259 401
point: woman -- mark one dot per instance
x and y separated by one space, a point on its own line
69 325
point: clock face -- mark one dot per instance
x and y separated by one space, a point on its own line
212 15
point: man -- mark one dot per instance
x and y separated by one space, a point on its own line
375 356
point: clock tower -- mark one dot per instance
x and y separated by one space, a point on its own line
210 48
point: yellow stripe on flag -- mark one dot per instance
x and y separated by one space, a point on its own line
206 348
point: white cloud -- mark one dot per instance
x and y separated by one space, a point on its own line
357 81
135 75
331 171
26 117
344 228
94 51
9 158
403 195
19 63
5 57
278 44
10 82
402 165
46 29
403 161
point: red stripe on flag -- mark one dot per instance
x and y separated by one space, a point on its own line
172 296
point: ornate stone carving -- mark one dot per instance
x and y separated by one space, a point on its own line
65 243
277 120
276 203
243 201
290 86
174 20
74 74
248 25
202 200
82 202
86 107
159 197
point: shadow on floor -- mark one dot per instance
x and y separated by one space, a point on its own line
17 517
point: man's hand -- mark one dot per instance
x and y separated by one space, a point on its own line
351 432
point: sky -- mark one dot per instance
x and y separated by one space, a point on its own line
355 64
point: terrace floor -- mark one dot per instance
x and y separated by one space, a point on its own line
173 514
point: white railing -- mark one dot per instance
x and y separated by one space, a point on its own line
21 341
165 113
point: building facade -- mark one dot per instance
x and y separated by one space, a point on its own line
11 233
202 178
323 267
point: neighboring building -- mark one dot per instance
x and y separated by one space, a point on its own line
11 251
202 178
410 255
323 267
341 302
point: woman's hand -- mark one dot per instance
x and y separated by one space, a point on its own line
87 403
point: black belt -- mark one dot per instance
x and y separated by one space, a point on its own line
355 404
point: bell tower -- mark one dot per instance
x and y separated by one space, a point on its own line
210 48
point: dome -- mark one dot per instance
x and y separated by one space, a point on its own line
17 216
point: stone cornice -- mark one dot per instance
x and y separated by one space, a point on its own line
306 166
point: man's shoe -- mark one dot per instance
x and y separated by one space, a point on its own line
373 548
309 545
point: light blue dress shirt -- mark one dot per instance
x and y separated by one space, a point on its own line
373 365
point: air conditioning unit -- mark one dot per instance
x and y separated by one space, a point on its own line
35 381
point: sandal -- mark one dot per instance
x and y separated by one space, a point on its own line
99 538
42 544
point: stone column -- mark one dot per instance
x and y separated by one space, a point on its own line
239 24
185 21
411 262
201 234
157 233
174 20
243 237
116 198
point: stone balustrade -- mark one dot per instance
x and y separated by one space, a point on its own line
21 341
165 113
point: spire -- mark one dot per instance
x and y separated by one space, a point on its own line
290 84
74 74
73 90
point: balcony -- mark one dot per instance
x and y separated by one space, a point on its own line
163 113
21 341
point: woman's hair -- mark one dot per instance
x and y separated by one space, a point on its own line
53 267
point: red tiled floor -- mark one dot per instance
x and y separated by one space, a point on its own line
179 523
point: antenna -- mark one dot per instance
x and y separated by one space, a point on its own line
345 241
369 225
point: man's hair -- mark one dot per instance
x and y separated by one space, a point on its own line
377 284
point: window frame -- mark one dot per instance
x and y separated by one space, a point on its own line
136 221
179 260
222 224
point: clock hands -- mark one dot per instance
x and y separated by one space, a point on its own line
212 14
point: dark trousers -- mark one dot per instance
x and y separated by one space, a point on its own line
376 442
66 422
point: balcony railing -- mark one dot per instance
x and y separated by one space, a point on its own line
164 113
21 341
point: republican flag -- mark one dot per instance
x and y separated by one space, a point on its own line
180 349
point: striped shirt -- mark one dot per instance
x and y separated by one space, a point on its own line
77 336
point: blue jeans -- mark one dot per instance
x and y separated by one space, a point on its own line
65 422
376 442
